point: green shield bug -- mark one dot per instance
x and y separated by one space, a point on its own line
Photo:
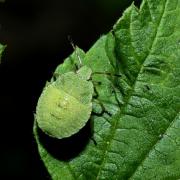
65 104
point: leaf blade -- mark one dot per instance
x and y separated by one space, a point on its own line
2 47
148 54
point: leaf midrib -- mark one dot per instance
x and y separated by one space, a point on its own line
127 101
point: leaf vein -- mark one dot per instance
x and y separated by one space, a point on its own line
114 127
153 147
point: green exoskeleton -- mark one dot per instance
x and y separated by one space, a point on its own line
65 104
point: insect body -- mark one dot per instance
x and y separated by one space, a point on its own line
65 105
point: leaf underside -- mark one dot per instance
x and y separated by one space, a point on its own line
138 134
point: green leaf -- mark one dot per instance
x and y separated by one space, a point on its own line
141 137
2 47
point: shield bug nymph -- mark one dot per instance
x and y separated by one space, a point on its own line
65 104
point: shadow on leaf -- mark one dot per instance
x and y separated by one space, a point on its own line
67 148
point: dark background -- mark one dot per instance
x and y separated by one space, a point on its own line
36 34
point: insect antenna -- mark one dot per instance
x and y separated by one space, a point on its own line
75 50
108 73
